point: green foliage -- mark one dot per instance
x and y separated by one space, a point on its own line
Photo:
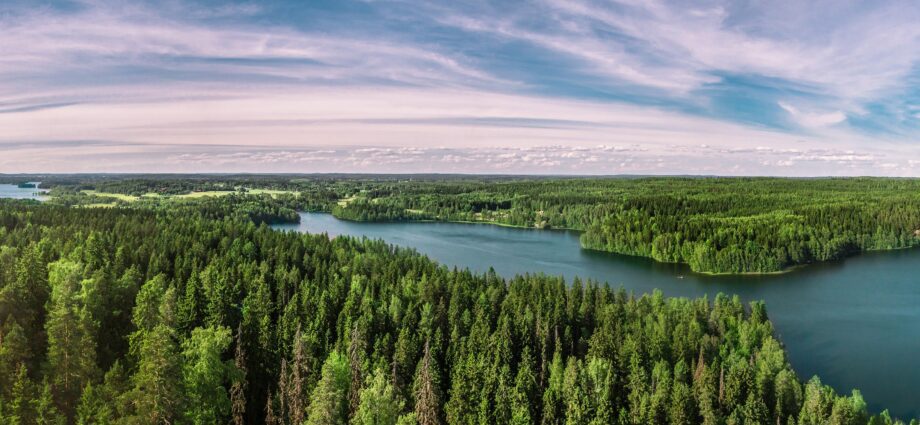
157 396
379 405
716 225
329 401
71 348
346 330
206 375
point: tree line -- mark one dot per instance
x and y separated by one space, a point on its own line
715 225
201 315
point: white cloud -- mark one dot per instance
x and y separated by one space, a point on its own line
362 129
283 99
812 119
40 42
860 53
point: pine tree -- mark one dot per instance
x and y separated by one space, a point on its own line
94 409
24 299
238 389
355 355
523 400
815 406
147 307
329 401
46 412
14 353
788 395
270 417
553 395
284 378
157 394
189 310
20 409
295 375
706 395
574 398
681 410
379 403
71 349
205 375
427 397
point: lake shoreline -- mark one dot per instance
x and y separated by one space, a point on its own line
811 309
786 270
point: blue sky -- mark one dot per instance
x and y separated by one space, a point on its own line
545 86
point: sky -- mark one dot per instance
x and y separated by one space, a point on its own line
797 88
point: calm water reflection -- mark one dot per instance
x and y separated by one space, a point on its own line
854 323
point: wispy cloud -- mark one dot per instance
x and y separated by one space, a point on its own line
733 87
846 50
46 45
813 119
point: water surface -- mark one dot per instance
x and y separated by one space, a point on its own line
15 192
855 323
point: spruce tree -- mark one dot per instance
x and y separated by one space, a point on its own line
205 375
157 397
379 404
71 348
329 401
427 397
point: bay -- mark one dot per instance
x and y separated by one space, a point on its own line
854 323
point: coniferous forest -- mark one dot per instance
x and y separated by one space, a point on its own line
196 312
715 225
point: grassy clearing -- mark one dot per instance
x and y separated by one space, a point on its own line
191 195
345 201
206 193
271 192
119 196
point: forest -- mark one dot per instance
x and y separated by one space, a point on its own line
716 225
199 313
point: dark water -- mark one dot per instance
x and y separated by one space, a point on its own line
855 323
15 192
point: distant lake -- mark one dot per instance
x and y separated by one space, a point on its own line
15 192
855 323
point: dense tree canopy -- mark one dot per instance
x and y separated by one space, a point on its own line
201 315
715 225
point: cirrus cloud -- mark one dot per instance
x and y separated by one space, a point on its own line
576 86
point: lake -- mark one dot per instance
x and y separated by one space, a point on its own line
15 192
855 323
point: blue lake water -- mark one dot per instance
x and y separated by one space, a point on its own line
855 323
15 192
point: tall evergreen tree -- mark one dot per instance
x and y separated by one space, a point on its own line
157 397
71 348
379 404
238 388
45 408
329 401
205 376
427 396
